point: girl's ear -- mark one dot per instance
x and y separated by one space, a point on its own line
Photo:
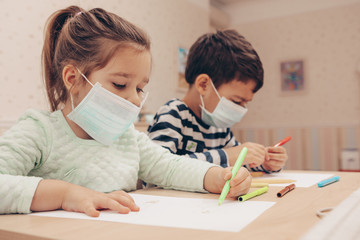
69 76
202 84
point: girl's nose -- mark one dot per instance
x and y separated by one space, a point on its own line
135 98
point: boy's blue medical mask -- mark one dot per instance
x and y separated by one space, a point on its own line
104 115
226 113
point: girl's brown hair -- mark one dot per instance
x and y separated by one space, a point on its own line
86 39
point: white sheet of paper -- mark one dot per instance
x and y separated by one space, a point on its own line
204 214
302 179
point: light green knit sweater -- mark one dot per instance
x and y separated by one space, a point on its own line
43 146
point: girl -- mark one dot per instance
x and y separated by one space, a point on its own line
85 153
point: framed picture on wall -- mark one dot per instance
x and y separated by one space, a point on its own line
292 76
182 57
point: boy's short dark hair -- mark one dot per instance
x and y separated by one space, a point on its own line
224 56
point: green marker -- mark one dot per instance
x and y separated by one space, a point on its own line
234 171
253 194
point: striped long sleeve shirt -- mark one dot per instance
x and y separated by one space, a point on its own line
176 127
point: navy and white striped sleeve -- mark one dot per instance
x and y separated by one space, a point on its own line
166 129
216 156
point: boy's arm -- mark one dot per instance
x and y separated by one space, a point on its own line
167 135
166 130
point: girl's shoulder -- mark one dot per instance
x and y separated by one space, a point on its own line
39 120
33 128
35 114
41 117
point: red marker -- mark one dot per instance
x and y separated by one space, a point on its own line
282 142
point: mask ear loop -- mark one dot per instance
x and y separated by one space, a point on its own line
144 99
215 89
217 93
201 99
202 102
85 77
72 102
71 97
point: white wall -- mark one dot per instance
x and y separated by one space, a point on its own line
326 118
170 24
328 40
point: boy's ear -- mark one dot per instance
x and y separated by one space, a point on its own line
202 84
69 76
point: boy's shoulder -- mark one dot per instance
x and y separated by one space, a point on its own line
175 110
173 105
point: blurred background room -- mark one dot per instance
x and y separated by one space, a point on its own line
310 51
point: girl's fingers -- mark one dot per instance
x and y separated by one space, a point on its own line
125 200
240 186
120 204
123 193
228 174
90 210
242 174
111 204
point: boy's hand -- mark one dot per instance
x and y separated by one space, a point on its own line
276 158
255 155
216 177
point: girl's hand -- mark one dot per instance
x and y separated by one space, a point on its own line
275 159
56 194
240 184
216 177
80 199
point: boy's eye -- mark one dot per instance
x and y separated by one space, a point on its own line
119 86
139 90
243 104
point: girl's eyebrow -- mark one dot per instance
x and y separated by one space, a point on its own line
122 74
127 75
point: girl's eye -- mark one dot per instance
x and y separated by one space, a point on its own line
139 90
119 86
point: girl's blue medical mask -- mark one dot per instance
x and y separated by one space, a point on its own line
104 115
226 113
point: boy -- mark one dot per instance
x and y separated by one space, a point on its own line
223 72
